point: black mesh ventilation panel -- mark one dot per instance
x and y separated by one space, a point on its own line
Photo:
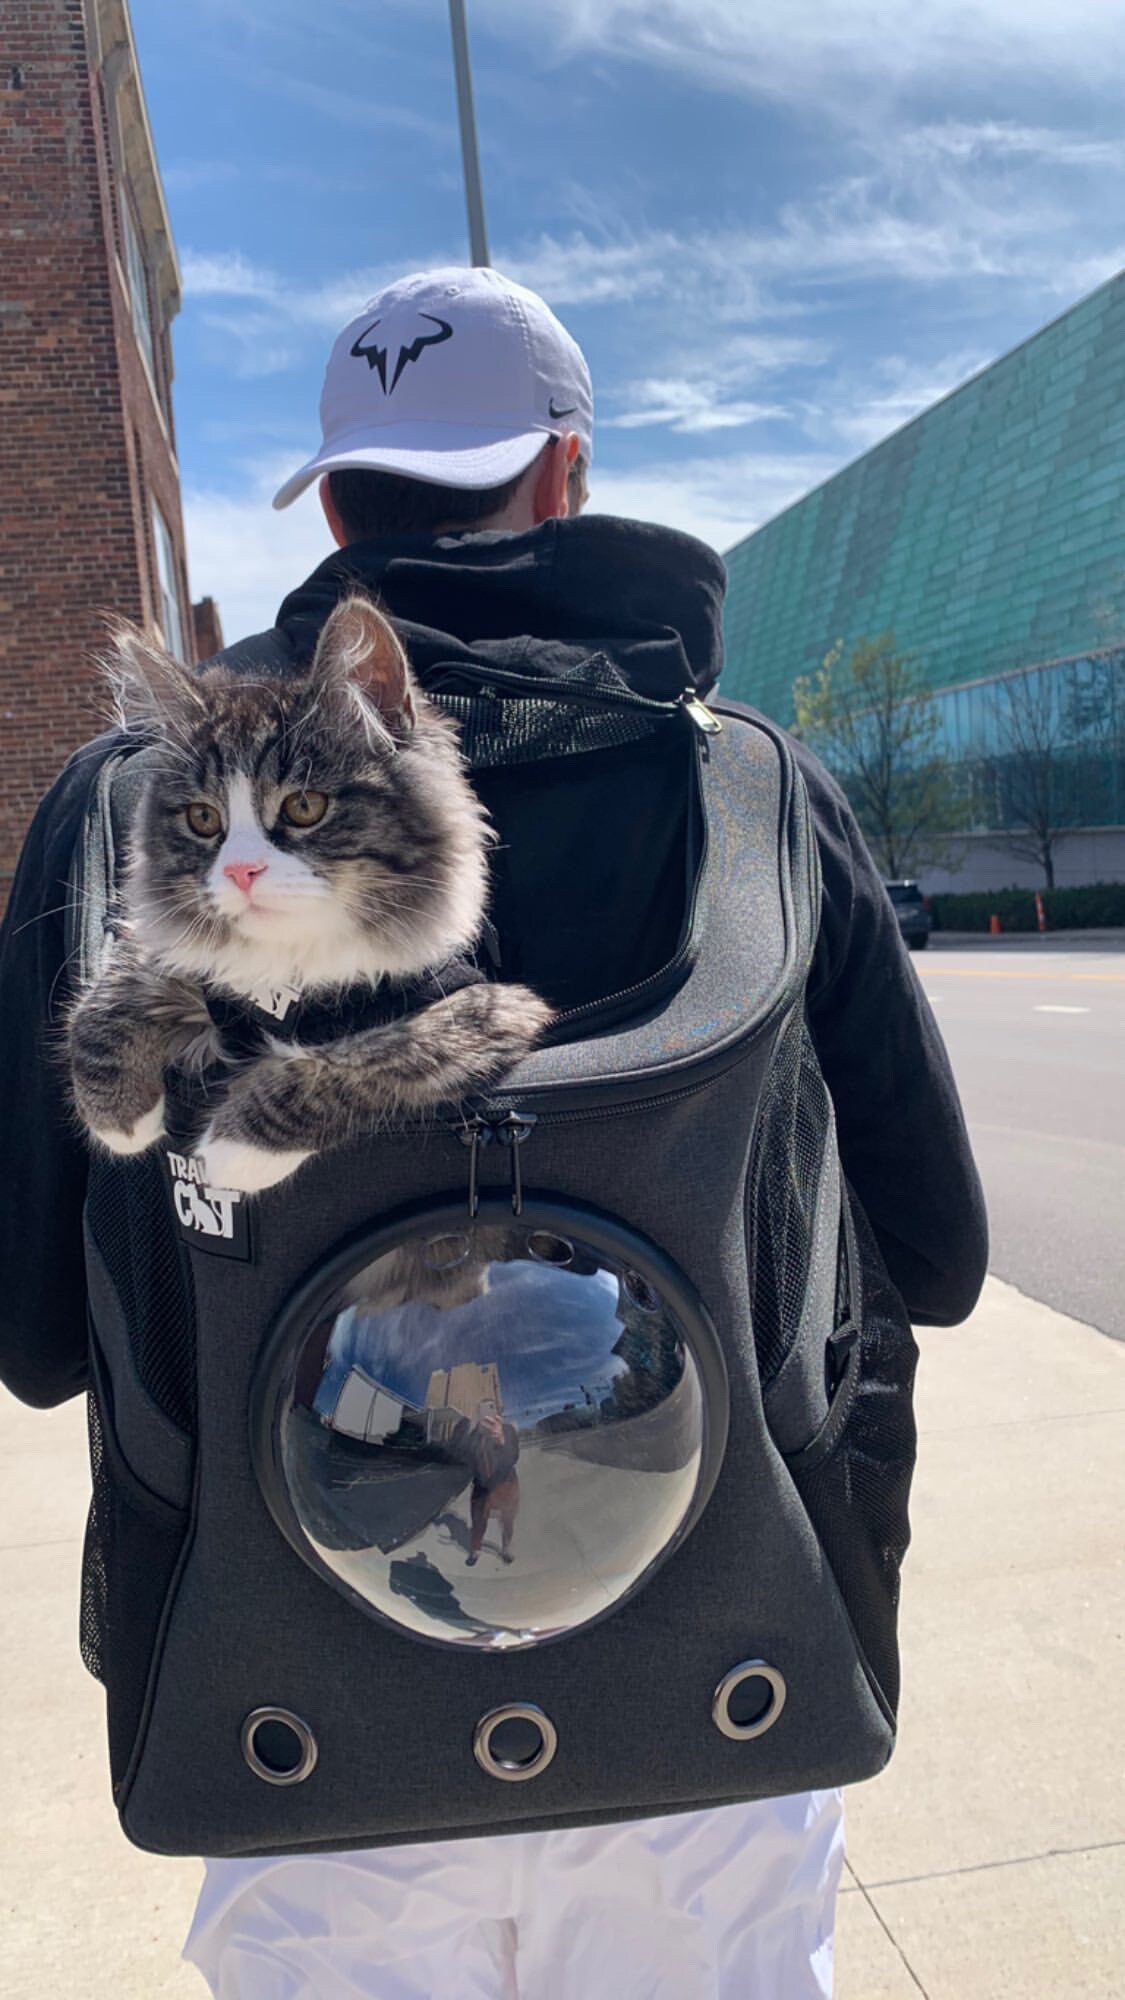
857 1496
794 1123
133 1544
95 1582
499 732
130 1219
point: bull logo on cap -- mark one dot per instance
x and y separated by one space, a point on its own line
376 357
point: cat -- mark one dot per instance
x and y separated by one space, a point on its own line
314 832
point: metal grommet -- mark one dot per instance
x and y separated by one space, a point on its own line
515 1742
279 1748
758 1717
445 1253
547 1249
641 1292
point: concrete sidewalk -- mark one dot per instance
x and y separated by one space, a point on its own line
989 1860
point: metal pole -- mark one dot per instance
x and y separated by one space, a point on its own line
474 198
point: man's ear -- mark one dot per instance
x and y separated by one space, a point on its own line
550 498
359 653
152 693
332 513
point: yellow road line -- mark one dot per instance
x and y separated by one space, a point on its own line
995 972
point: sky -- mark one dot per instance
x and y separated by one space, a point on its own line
778 228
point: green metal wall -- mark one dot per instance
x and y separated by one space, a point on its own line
988 534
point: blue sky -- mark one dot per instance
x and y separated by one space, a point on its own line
778 228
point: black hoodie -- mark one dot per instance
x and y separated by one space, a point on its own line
649 601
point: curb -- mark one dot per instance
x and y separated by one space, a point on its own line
1089 940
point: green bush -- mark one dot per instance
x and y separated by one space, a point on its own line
1098 906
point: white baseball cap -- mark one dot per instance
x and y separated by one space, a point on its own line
454 377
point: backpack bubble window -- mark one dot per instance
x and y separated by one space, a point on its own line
489 1433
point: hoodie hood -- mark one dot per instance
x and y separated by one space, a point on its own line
646 598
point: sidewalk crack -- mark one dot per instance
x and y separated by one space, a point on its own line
981 1867
890 1936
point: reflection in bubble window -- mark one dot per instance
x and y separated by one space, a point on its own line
494 1446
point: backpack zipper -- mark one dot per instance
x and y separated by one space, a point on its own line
687 703
513 1127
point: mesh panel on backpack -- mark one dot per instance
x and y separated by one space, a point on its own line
794 1124
495 732
95 1583
131 1222
133 1543
857 1497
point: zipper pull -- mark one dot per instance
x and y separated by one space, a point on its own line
514 1131
703 717
474 1133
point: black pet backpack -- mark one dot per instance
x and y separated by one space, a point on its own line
543 1462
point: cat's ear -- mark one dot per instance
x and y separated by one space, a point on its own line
151 691
360 652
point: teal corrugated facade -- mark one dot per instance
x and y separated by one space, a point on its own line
988 534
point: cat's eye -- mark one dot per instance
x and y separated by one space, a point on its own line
204 819
304 808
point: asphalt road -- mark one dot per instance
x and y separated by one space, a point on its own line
1037 1041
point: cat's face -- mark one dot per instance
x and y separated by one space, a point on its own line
315 829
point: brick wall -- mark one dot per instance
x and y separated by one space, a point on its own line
208 628
85 446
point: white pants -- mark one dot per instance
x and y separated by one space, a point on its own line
735 1903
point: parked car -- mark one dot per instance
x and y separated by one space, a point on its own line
914 920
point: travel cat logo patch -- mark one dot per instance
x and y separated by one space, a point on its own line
212 1218
376 357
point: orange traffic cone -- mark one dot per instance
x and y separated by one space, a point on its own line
994 925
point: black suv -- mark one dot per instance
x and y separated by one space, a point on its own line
914 920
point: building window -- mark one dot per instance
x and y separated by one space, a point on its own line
138 284
171 625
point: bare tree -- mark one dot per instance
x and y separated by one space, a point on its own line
869 715
1024 773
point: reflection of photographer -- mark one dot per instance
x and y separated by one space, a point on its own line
490 1448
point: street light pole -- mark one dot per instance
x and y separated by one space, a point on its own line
474 198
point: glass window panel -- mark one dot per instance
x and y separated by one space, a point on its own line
171 625
138 284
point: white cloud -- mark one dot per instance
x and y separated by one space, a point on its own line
997 139
863 411
243 554
248 344
323 307
225 274
582 270
366 110
186 176
685 407
717 499
808 49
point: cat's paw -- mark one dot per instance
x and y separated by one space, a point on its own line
511 1018
134 1138
233 1163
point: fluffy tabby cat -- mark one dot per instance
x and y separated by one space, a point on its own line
316 833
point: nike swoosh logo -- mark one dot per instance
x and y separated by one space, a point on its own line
552 412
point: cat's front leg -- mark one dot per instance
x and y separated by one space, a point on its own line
122 1035
285 1107
253 1141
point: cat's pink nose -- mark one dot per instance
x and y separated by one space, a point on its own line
244 872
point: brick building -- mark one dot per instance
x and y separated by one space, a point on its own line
90 516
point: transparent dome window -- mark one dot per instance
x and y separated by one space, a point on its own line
489 1433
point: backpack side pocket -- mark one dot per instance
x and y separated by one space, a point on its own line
133 1543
